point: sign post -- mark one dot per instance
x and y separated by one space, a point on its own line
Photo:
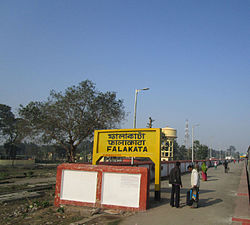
130 143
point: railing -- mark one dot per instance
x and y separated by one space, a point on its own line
166 166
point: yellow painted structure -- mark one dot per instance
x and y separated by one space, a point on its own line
167 148
130 143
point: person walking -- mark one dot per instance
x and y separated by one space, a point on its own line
204 171
175 180
226 166
195 184
215 164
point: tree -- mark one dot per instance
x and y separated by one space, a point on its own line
180 152
10 130
69 118
59 152
201 151
7 123
231 150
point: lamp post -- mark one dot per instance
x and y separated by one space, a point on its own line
193 141
136 93
211 150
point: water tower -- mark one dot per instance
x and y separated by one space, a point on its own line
167 147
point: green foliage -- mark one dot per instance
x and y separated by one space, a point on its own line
60 209
29 174
11 130
69 118
163 137
3 175
201 151
45 204
7 120
180 152
10 127
37 205
10 150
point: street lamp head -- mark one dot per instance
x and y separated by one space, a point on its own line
143 89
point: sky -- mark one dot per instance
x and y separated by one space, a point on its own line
193 55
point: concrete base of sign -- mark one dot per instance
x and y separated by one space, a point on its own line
114 187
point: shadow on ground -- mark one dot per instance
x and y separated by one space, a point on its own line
202 191
210 180
204 202
153 203
183 191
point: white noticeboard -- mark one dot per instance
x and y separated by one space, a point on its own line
121 189
79 186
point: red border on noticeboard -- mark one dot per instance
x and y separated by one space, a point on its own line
100 169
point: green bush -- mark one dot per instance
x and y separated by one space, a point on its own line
40 204
3 175
60 209
30 173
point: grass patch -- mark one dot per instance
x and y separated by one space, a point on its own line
40 204
28 174
4 175
60 209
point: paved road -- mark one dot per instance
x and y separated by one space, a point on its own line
217 201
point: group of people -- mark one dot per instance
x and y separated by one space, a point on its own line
175 180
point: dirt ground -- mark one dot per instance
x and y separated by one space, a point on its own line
41 210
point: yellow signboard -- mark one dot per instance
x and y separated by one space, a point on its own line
130 143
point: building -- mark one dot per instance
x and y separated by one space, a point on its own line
167 147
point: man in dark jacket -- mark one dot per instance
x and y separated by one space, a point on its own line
175 180
225 164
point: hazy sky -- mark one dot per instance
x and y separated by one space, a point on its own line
193 55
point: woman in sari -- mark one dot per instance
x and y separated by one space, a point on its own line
204 171
215 164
